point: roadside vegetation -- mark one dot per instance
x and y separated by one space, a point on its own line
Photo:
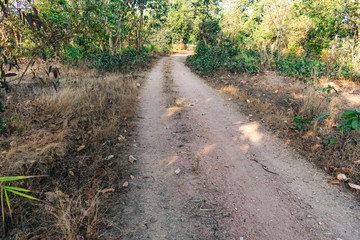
312 99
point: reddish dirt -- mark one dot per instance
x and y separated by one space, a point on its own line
237 180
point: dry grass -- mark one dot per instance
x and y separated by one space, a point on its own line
313 104
45 129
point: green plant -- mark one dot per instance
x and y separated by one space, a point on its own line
15 190
299 121
352 121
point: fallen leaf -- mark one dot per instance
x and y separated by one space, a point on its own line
177 171
89 192
107 190
121 138
71 173
316 146
109 157
82 147
334 181
333 169
61 194
126 184
342 177
354 186
132 159
357 162
52 125
346 170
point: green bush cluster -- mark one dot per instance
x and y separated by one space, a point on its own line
129 60
210 58
309 67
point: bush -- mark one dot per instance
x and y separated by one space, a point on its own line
129 60
211 58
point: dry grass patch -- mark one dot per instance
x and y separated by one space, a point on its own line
67 135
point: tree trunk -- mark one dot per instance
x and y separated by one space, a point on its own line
139 43
111 44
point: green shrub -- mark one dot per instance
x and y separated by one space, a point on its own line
129 60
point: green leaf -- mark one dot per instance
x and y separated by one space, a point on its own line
7 201
5 179
16 189
355 124
23 195
349 114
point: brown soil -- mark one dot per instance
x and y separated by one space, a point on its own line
236 180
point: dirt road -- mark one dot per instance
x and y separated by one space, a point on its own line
236 180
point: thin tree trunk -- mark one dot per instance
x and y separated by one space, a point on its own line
139 44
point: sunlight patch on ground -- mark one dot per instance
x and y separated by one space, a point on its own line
207 149
173 159
251 132
173 110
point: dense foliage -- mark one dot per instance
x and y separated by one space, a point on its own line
304 39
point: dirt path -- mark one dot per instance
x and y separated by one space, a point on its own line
237 181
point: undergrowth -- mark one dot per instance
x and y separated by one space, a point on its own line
68 136
228 56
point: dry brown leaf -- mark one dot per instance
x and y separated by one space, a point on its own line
82 147
334 181
354 186
71 173
126 184
132 159
61 194
334 169
357 162
346 170
121 138
109 225
342 177
107 190
316 146
89 192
